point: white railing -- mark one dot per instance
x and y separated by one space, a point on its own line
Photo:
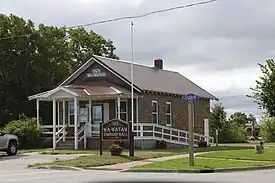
63 132
50 128
169 134
83 130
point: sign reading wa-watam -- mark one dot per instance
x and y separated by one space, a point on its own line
115 129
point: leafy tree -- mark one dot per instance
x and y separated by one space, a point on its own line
40 61
268 129
84 44
229 131
264 91
217 117
239 118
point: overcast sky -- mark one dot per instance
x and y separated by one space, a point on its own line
217 45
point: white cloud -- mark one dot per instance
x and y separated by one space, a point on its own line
221 81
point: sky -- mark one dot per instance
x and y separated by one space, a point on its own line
216 45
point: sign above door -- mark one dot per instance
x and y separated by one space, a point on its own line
95 73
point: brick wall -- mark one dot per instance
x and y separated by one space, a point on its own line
179 111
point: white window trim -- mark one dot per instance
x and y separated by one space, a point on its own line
72 103
155 113
126 108
168 114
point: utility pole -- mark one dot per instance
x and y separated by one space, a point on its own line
132 91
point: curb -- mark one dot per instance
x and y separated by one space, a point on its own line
57 168
105 169
218 170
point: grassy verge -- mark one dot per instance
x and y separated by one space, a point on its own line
106 159
151 151
244 154
96 160
201 163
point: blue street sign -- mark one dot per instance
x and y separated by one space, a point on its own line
190 97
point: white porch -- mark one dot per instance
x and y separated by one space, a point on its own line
82 110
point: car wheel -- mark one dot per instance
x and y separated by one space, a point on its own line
12 149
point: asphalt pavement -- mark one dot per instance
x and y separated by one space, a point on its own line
64 176
14 170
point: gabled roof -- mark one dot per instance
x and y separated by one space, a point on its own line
146 78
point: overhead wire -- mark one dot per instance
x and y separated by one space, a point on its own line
122 18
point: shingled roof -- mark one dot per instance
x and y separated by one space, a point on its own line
149 78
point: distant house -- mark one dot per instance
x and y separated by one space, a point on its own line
252 130
100 90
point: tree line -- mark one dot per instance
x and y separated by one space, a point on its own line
34 59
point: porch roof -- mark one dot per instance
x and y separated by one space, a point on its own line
81 91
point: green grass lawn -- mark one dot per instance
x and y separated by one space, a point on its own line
201 163
248 144
96 160
106 159
150 151
244 154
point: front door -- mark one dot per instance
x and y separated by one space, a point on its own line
97 118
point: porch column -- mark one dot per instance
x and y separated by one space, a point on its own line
63 112
58 113
37 114
75 125
118 107
54 123
90 117
206 129
137 110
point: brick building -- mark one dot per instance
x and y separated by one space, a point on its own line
101 87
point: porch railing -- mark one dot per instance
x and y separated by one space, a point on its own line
63 132
83 131
169 134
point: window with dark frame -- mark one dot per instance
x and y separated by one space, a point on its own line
155 117
123 110
168 113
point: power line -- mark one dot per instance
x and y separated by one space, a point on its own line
123 18
146 14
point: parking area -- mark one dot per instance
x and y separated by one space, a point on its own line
21 161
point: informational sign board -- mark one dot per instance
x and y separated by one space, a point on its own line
115 129
83 114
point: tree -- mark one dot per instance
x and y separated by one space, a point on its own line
268 129
264 91
217 118
239 118
84 44
40 60
229 131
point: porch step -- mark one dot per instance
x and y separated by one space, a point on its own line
69 144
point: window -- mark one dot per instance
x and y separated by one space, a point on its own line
123 110
71 112
155 112
168 113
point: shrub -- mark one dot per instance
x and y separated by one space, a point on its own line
26 130
268 129
115 149
161 144
202 143
232 133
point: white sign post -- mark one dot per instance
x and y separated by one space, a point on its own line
190 98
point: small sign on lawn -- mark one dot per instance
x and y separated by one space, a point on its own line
115 129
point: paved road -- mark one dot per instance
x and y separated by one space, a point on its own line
51 176
13 170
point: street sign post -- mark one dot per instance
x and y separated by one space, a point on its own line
191 98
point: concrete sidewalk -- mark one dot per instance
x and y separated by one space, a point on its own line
123 166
